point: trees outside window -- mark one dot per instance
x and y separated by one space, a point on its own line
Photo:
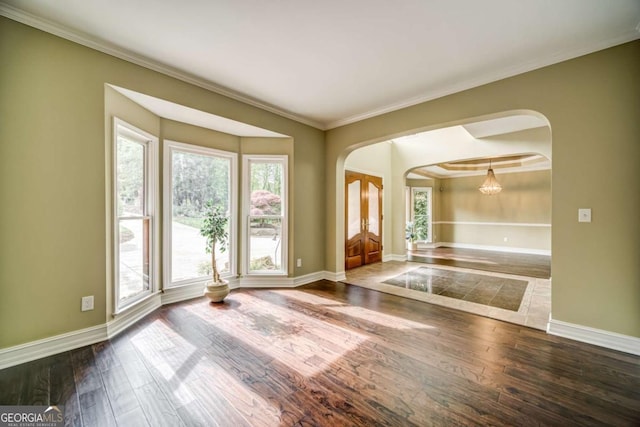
266 214
135 231
193 177
421 213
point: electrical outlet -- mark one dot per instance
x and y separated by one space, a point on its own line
506 239
584 215
87 303
299 262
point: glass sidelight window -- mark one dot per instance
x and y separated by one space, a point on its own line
135 188
266 214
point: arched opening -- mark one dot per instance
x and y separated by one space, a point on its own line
446 165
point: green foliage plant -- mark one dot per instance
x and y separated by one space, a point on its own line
214 229
410 232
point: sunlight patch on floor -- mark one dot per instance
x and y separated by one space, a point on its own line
301 342
381 319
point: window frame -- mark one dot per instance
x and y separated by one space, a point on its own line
169 147
151 188
282 159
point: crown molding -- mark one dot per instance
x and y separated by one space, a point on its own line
103 46
119 52
490 78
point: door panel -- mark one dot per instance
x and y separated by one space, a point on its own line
354 254
363 219
373 226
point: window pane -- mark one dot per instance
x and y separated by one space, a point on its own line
265 244
196 179
189 259
353 209
134 257
266 188
130 175
374 209
421 214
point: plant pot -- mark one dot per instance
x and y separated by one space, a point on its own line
216 291
412 246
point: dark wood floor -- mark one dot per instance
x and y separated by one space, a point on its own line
330 355
498 262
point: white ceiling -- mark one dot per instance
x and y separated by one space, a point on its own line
330 62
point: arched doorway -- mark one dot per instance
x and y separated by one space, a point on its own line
511 136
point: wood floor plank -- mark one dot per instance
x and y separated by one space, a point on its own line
157 407
35 390
63 388
330 354
95 408
11 383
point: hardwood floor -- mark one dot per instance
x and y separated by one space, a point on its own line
330 354
498 262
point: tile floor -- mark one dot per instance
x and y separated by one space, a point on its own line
479 288
533 310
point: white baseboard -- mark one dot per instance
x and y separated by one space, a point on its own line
266 282
75 339
398 257
335 276
182 293
52 345
308 278
496 248
127 318
599 337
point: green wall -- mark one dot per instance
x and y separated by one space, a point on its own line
53 176
593 108
53 169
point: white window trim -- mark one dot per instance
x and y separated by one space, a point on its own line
246 203
152 189
168 148
429 210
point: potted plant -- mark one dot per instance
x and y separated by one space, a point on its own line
411 236
214 228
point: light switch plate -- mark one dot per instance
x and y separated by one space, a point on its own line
584 215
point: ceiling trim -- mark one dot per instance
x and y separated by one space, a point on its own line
498 172
492 77
122 53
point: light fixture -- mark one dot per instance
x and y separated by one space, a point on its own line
490 184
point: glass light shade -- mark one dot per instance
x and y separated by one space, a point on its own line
490 184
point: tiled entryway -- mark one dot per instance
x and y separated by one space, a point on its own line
533 309
479 288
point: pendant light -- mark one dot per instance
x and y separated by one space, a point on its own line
490 185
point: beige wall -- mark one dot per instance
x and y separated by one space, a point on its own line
471 218
592 105
54 177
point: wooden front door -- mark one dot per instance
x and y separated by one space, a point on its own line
363 219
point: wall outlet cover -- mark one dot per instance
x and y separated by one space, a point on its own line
87 303
584 215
